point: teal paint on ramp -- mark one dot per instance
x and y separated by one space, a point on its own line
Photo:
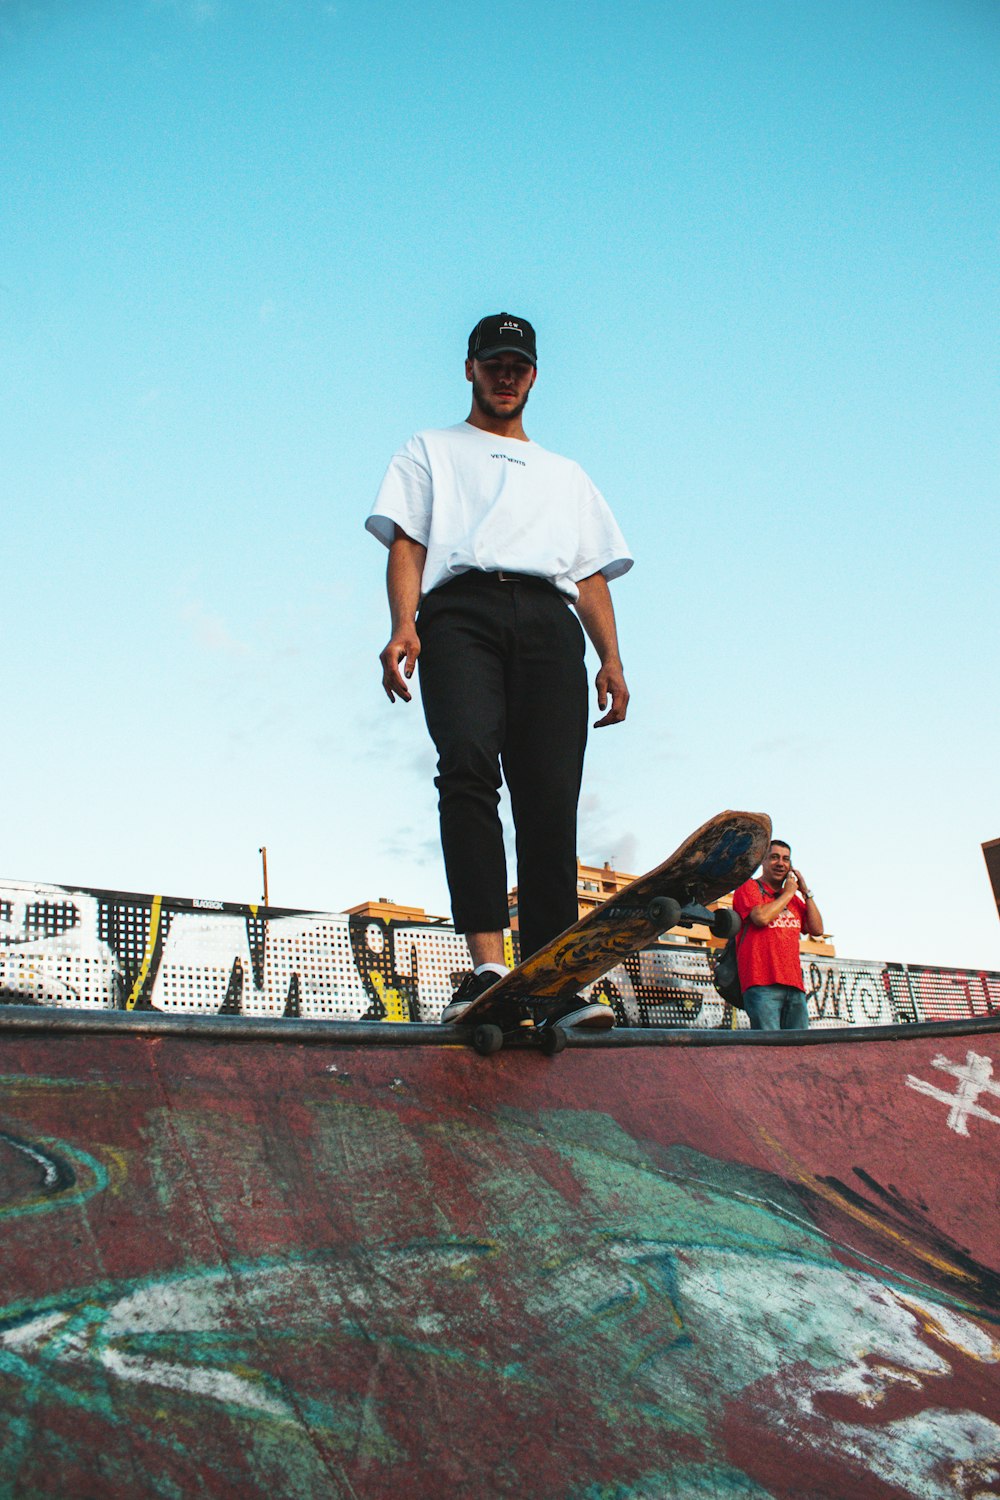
326 1269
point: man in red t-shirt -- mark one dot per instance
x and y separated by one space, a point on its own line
774 910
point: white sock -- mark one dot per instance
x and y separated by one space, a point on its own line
499 969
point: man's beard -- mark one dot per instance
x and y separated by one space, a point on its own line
486 405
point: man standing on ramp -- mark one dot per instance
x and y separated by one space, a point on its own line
491 538
774 912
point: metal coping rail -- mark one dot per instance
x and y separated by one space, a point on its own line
54 1020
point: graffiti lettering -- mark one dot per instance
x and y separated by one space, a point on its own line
112 950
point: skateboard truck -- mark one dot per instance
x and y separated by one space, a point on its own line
667 913
524 1029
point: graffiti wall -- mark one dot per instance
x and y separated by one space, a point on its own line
113 950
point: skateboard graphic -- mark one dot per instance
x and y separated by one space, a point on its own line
714 860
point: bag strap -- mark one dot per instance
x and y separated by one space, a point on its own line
739 936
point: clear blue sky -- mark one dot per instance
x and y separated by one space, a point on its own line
242 243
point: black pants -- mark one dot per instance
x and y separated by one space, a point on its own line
503 682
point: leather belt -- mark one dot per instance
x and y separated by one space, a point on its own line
502 576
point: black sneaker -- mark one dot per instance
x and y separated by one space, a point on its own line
472 986
588 1015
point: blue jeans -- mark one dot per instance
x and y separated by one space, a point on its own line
776 1007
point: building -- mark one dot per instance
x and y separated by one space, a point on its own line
387 910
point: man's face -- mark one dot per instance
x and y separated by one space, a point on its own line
500 385
777 863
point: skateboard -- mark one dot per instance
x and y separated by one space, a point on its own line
714 860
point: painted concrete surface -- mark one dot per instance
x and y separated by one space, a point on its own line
270 1268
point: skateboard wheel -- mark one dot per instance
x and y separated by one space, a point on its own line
553 1041
487 1039
725 923
664 912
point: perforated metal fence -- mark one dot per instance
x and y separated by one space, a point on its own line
113 950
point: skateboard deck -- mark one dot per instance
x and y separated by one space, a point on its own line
714 860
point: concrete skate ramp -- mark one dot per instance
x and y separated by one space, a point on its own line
283 1262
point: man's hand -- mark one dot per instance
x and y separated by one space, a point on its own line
813 916
597 615
793 884
611 684
403 574
404 647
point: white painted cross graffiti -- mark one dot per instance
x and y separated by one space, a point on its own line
975 1077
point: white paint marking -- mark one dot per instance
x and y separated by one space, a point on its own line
50 1172
975 1077
34 1334
218 1385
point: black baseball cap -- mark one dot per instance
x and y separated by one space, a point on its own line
502 334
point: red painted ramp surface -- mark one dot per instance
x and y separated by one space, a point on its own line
280 1268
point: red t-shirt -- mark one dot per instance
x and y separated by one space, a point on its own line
769 955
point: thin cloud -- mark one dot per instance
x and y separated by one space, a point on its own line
795 745
408 844
211 632
599 840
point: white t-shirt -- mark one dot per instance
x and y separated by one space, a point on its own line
475 500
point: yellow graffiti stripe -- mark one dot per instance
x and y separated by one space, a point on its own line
396 1008
147 957
117 1168
870 1220
939 1330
